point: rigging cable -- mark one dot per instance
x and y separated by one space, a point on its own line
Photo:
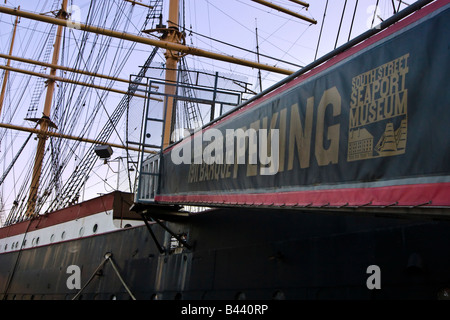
340 24
353 20
245 49
89 58
251 31
374 13
73 183
321 28
393 7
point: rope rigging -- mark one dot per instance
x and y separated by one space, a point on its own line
92 55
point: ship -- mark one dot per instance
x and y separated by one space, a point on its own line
343 192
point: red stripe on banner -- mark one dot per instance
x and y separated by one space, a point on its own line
432 194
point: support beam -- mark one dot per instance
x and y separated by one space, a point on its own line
45 121
60 79
182 241
69 137
138 3
49 65
284 10
173 35
304 4
152 42
8 62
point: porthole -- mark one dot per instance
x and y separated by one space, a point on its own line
81 232
6 246
37 240
95 228
52 238
63 235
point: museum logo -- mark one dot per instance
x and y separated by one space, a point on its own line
378 112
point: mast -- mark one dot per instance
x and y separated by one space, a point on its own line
173 35
257 55
45 121
8 63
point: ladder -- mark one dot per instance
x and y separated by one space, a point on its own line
191 109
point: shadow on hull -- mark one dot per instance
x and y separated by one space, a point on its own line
245 254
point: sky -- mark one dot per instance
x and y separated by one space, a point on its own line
233 22
280 35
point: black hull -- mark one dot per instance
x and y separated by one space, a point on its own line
252 254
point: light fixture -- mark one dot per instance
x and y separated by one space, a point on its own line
103 151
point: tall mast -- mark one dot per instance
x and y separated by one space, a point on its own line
172 57
45 121
5 78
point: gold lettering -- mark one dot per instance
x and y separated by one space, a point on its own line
354 116
299 136
394 83
401 104
330 155
283 129
372 112
252 167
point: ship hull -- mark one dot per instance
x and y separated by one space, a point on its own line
244 254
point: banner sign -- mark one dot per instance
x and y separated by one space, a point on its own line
369 127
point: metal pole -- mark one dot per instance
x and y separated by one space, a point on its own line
45 122
120 277
49 65
172 35
138 3
68 137
257 53
8 63
306 5
284 10
56 78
